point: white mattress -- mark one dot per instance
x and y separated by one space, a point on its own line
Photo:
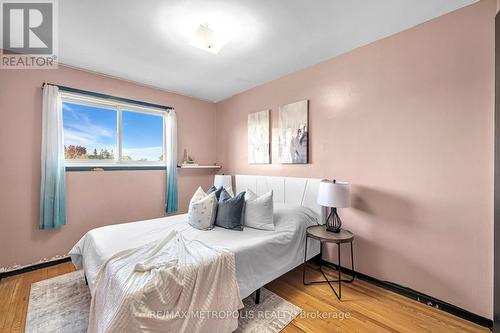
261 256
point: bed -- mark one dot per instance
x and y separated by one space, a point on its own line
261 256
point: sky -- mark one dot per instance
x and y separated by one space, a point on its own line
96 128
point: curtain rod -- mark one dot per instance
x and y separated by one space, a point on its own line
104 96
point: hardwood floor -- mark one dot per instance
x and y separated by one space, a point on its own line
14 295
371 309
366 308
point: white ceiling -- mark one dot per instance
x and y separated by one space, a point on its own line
147 41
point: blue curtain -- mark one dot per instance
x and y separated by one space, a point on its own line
53 187
171 133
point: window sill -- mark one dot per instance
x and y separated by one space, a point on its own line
96 168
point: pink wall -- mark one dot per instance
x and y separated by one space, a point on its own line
93 198
408 120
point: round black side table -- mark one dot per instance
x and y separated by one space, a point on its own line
320 233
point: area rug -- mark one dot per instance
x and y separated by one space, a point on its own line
61 304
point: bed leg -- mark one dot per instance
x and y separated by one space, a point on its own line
257 296
86 282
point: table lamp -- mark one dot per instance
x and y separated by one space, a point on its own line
335 195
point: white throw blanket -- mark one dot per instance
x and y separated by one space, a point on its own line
170 285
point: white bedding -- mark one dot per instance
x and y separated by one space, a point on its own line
130 295
261 256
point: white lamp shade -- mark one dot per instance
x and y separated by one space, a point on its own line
226 181
332 194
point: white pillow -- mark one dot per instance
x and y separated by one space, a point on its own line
259 210
202 210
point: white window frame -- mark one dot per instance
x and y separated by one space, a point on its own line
118 107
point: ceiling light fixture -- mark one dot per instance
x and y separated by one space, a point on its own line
208 39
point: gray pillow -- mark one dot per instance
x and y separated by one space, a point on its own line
230 211
217 191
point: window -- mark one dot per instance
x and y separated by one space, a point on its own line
142 137
90 132
100 132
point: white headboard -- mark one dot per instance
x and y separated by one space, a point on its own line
301 191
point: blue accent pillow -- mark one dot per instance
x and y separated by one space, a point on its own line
217 191
230 211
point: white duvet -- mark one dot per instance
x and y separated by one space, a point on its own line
261 256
